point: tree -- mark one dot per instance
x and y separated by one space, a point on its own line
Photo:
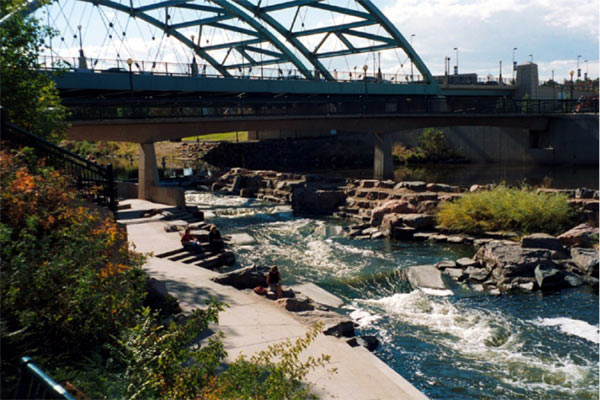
29 96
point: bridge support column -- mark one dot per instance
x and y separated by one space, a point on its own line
147 171
383 166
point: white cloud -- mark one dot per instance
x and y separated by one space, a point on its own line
485 31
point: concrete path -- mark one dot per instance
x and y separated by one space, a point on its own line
252 322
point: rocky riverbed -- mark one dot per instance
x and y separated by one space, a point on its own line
405 211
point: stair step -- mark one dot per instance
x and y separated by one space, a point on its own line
170 253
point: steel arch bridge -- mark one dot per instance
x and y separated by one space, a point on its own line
314 38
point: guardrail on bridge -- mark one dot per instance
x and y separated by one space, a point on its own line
115 109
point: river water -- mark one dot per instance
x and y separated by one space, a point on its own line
460 346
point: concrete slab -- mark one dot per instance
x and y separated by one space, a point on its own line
318 295
251 323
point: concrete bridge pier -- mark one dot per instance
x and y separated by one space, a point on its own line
383 166
147 171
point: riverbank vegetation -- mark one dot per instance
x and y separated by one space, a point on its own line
432 147
522 210
74 298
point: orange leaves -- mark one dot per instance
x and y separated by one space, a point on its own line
24 182
113 269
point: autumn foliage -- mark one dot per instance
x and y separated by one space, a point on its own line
73 298
68 278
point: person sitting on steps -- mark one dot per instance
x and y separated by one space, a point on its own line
214 239
274 282
190 243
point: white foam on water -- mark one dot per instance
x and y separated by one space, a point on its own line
487 338
573 327
363 318
354 250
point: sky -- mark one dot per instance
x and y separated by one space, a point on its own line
551 33
554 32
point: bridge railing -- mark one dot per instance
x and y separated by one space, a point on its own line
234 107
99 65
93 181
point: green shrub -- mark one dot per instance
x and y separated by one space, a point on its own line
73 296
433 143
432 148
68 279
274 373
521 210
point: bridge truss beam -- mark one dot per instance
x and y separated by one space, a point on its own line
257 25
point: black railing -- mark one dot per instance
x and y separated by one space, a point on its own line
96 109
94 181
35 384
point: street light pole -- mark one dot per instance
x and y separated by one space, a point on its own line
571 73
585 77
514 65
130 63
456 72
411 61
500 74
531 58
578 69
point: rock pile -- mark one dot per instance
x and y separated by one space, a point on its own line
306 193
539 262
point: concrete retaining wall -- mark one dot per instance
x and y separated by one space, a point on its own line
170 195
571 139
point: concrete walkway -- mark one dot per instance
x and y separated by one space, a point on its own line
252 322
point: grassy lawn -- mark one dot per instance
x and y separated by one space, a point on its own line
220 137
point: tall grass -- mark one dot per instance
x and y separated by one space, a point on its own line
520 210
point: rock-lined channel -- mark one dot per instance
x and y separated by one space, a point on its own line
465 345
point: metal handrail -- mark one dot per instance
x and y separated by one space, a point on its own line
94 181
120 109
35 384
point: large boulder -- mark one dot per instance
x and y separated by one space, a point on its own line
580 236
510 260
315 200
389 222
244 278
550 278
542 241
296 304
390 207
442 187
586 260
334 324
418 221
416 186
370 342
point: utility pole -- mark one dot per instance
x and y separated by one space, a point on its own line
514 65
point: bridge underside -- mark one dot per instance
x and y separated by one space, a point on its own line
148 132
154 130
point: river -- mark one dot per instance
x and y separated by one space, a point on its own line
461 346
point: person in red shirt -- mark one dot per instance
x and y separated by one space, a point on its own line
189 242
